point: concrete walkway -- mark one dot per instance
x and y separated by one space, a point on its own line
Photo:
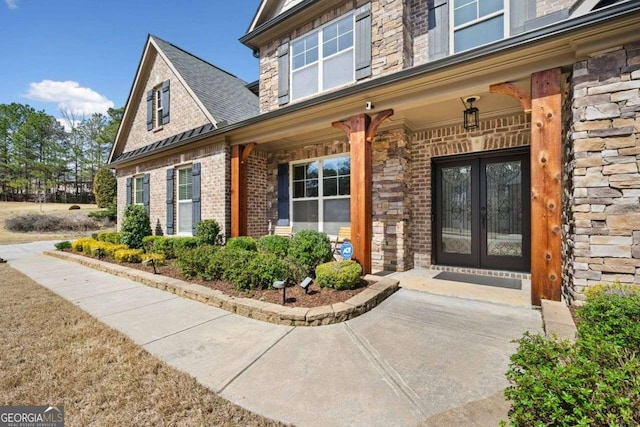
416 359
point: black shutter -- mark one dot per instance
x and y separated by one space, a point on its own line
283 194
166 102
521 11
283 73
363 41
146 192
128 191
438 24
170 196
195 196
150 110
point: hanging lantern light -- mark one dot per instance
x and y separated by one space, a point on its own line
471 113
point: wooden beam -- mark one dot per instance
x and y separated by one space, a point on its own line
546 186
236 160
515 92
361 130
246 152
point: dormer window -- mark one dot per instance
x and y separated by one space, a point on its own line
477 22
323 59
158 103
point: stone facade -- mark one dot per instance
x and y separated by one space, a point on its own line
545 7
185 113
605 163
215 196
493 134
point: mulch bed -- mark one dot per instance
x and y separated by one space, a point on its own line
296 296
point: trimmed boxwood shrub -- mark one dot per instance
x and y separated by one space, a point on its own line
311 248
111 237
276 245
63 245
128 255
243 242
593 382
184 243
208 232
339 275
147 242
264 269
194 262
135 225
230 264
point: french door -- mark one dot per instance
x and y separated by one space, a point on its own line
482 211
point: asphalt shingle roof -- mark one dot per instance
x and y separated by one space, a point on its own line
224 95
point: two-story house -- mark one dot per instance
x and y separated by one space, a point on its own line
494 136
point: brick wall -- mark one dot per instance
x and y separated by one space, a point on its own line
391 44
257 195
605 205
418 12
185 114
544 7
498 133
215 197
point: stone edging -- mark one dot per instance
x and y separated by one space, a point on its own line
254 309
557 320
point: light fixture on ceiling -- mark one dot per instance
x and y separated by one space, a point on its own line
471 113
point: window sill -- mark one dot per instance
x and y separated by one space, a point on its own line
158 129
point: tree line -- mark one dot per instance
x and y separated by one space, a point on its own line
42 160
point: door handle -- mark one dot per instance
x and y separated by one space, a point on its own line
483 216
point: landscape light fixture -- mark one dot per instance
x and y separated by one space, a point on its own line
306 284
471 113
152 262
279 284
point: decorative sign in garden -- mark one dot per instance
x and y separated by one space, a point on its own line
346 250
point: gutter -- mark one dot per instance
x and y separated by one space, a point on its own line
274 21
557 29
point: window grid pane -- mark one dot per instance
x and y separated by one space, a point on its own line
184 184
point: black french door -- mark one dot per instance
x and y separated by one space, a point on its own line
482 211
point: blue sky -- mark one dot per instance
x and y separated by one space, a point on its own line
83 54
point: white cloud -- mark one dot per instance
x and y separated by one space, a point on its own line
66 125
11 4
70 96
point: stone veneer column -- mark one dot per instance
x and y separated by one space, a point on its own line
605 205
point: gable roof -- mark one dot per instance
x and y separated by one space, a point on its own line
223 98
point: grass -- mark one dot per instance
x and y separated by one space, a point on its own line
54 353
11 209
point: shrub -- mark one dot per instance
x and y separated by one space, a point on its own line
74 208
78 245
105 187
615 288
243 242
311 248
230 264
48 223
128 255
148 241
277 245
592 382
208 232
110 214
183 243
110 237
339 274
63 245
94 236
298 270
158 259
135 226
264 269
161 245
195 262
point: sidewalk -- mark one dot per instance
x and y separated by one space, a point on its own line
415 357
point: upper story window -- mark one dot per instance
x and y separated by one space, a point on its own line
158 103
477 22
323 59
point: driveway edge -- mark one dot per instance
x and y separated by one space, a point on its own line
247 307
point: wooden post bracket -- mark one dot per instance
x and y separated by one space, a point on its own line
515 92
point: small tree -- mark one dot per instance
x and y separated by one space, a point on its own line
135 226
104 187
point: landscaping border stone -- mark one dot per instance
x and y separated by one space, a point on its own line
247 307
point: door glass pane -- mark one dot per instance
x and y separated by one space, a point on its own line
456 209
504 209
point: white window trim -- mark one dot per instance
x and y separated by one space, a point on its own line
135 179
319 198
157 110
178 201
452 28
320 60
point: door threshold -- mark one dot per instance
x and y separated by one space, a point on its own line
482 272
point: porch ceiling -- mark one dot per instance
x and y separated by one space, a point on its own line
418 112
